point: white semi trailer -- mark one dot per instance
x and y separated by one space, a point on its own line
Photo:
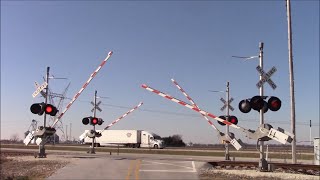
129 138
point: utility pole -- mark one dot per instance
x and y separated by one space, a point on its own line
42 150
70 132
291 77
92 150
227 156
66 132
310 134
263 165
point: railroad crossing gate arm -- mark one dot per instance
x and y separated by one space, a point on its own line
223 137
204 113
124 115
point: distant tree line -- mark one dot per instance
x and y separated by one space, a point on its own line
174 141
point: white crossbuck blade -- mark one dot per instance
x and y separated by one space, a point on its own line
28 139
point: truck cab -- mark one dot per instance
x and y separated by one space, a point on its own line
151 140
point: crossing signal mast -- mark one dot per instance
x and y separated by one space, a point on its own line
93 121
44 131
94 133
259 104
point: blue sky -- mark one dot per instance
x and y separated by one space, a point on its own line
190 41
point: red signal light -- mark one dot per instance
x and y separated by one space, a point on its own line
274 103
94 121
48 109
233 120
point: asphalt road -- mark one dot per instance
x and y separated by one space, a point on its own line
103 165
121 167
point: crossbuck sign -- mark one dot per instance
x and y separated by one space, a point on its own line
39 89
96 106
266 77
225 104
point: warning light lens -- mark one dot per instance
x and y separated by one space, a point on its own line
35 108
274 103
233 120
221 123
48 109
94 121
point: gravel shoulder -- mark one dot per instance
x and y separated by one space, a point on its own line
25 166
251 174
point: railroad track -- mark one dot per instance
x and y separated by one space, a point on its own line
280 167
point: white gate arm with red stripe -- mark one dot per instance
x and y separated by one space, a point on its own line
27 141
224 137
192 107
83 87
261 134
84 135
194 104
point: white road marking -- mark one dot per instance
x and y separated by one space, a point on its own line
150 170
192 169
169 164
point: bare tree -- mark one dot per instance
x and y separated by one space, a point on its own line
177 137
15 137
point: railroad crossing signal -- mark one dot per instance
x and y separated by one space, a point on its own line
266 77
92 120
232 119
225 104
96 106
258 102
40 108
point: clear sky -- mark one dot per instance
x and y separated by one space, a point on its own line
190 41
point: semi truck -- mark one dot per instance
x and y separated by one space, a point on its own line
128 138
